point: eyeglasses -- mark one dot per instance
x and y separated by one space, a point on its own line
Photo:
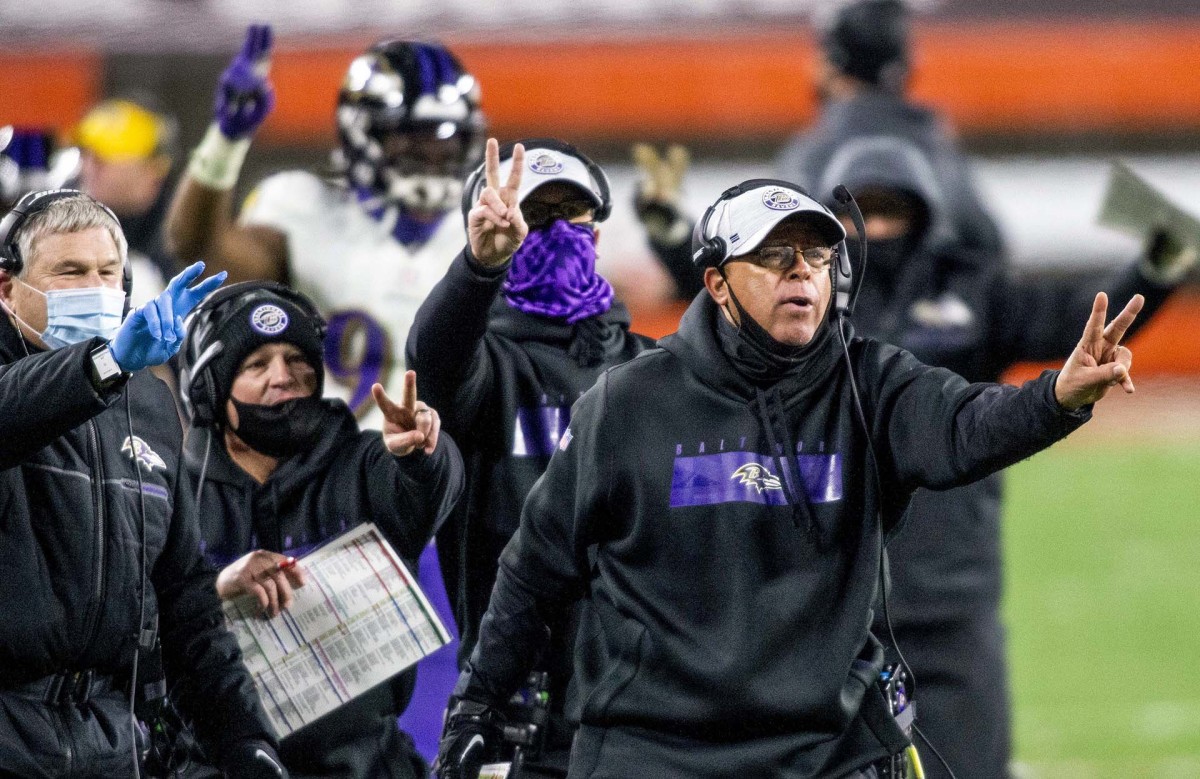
537 213
782 258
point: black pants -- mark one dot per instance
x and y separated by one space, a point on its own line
962 694
65 739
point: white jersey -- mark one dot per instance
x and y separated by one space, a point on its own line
366 283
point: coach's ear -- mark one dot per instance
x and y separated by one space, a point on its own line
6 285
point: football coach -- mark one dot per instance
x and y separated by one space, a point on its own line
722 501
99 544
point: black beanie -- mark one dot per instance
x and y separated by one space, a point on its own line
868 40
243 317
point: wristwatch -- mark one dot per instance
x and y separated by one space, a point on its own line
103 369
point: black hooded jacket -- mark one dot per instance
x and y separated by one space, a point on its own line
730 587
504 382
875 112
347 478
964 310
71 539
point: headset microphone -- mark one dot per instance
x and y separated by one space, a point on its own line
844 198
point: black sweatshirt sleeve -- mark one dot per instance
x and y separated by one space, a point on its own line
412 496
445 347
677 261
44 396
941 432
543 569
1042 317
200 656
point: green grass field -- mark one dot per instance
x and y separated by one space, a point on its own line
1103 609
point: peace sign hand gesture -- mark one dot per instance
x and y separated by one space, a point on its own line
411 425
1099 362
495 226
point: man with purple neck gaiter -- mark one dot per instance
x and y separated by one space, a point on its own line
517 330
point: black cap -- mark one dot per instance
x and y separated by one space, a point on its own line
241 318
868 40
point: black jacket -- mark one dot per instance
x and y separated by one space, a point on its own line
504 382
346 479
872 113
730 588
72 535
965 310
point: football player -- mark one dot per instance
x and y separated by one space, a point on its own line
366 243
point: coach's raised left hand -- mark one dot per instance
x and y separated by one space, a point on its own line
410 424
1099 362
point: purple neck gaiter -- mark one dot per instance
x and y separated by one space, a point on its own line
553 274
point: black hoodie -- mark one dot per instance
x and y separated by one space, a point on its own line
504 382
875 112
727 628
347 478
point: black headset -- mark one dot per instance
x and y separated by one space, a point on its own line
34 203
709 252
202 344
476 181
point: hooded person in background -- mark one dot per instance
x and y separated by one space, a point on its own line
721 503
862 76
279 470
964 310
518 329
99 545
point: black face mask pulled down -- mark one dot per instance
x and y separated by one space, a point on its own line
756 353
281 430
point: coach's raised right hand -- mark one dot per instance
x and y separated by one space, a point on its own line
495 226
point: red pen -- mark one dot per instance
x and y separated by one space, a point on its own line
288 563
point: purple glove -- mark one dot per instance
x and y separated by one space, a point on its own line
244 96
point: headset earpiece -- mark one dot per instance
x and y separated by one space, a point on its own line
470 193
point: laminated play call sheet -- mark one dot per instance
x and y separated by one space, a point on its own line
359 620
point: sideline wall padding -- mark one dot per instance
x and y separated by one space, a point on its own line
1007 78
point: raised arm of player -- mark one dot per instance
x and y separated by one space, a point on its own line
200 221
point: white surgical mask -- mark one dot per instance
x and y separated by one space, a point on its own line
74 315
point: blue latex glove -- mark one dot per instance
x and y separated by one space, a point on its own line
152 334
244 95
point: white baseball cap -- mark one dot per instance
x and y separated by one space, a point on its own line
544 165
744 220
